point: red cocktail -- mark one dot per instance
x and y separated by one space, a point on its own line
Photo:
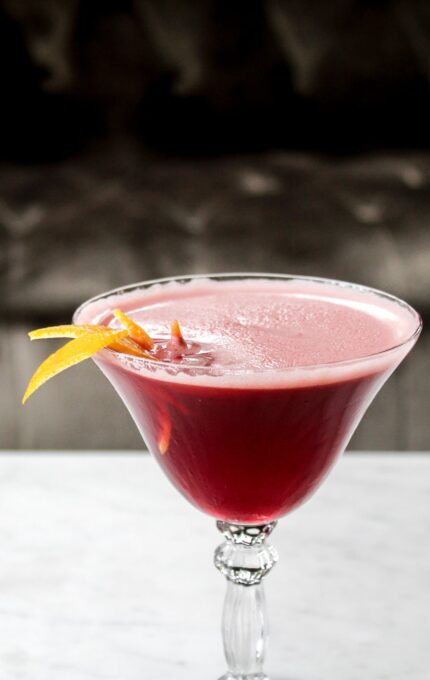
248 416
280 376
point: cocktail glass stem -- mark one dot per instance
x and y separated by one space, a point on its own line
245 558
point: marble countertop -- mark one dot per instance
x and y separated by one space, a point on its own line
106 574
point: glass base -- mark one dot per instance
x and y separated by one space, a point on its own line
253 676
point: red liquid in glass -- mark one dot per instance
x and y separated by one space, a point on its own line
251 449
249 455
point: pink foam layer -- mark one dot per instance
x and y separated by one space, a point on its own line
258 327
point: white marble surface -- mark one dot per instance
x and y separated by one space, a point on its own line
106 574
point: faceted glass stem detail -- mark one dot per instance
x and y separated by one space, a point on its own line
245 558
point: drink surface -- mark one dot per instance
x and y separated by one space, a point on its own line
277 374
251 326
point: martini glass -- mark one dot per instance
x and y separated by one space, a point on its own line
247 448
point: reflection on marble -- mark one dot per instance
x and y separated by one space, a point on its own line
106 574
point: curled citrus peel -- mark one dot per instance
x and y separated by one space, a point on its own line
125 345
176 333
72 353
135 332
176 344
87 340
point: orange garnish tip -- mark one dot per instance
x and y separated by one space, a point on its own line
135 332
176 332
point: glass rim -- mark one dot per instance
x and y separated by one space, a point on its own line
198 370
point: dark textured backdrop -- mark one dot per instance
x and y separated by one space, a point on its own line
151 138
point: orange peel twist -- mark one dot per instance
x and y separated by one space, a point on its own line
72 353
87 340
136 332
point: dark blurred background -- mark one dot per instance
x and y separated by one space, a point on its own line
148 138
